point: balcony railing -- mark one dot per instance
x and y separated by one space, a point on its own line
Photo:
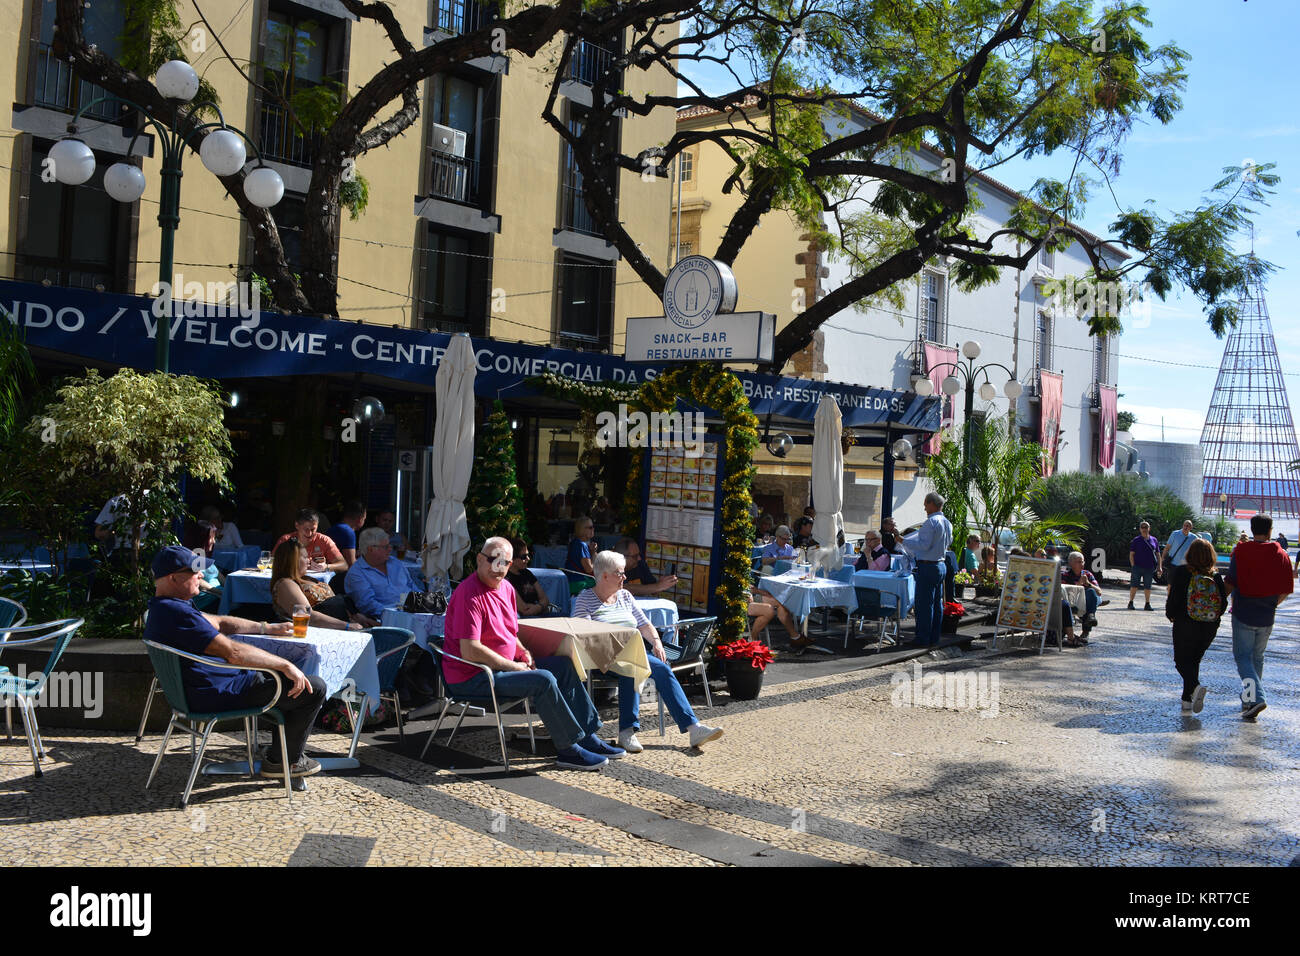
455 178
280 139
66 277
589 63
461 16
574 215
58 88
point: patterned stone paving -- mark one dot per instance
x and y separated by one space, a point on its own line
1087 762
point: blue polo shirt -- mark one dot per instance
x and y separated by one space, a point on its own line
578 549
178 624
343 535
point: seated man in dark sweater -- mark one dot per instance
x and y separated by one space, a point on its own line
641 581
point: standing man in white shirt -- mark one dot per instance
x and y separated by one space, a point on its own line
1175 555
928 544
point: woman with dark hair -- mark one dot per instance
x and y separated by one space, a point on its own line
532 599
290 586
1196 602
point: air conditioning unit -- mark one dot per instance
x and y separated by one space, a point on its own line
448 140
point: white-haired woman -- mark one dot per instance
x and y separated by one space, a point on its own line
610 603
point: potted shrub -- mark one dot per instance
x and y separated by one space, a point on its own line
953 612
961 581
988 583
744 663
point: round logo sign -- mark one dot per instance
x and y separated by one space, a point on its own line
696 290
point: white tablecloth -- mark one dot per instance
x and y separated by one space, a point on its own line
556 586
901 588
31 567
423 626
800 597
254 587
662 614
336 657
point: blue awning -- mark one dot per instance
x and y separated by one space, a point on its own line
119 330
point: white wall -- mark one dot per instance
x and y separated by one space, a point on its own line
876 347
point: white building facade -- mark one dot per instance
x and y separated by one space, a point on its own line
1016 322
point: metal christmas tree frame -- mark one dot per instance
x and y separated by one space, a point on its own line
1249 440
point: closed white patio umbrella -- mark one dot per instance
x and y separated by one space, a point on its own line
828 482
446 534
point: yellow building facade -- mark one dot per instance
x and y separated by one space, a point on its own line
475 220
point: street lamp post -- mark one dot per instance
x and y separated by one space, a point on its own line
968 371
222 152
1223 502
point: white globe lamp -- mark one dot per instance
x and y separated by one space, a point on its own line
223 152
971 349
950 385
176 80
124 182
923 387
263 187
1012 389
73 160
988 392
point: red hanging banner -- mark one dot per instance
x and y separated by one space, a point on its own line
1050 423
1106 424
935 358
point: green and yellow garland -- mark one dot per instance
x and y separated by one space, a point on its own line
710 387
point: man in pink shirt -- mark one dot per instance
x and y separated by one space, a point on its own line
482 627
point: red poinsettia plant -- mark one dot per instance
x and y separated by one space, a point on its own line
758 653
953 609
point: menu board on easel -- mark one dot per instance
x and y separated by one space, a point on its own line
680 525
1031 597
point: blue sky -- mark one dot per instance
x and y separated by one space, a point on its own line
1240 103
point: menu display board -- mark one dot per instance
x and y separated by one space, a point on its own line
680 521
1031 596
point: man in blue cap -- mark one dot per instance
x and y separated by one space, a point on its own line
174 621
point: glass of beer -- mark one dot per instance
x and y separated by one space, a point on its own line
301 616
264 560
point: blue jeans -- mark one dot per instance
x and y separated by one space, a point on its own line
554 691
929 602
1248 645
1090 601
670 692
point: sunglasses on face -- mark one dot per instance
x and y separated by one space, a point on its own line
498 562
523 557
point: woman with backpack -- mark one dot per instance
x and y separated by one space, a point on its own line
1197 600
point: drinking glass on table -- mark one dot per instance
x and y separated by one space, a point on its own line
264 560
301 617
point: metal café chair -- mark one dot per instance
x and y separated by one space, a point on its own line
391 647
12 614
871 607
25 690
166 662
693 637
466 702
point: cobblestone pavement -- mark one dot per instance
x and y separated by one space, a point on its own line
1080 757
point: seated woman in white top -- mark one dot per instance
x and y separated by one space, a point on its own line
227 533
610 603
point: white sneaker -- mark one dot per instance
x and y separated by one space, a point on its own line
1187 706
1198 698
627 740
702 734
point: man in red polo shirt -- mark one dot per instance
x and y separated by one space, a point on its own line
322 553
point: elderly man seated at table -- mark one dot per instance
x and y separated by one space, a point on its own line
780 549
378 580
874 557
641 581
174 621
322 553
1075 573
532 599
482 627
611 603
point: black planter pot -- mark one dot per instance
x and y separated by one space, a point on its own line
744 680
949 625
982 592
961 592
